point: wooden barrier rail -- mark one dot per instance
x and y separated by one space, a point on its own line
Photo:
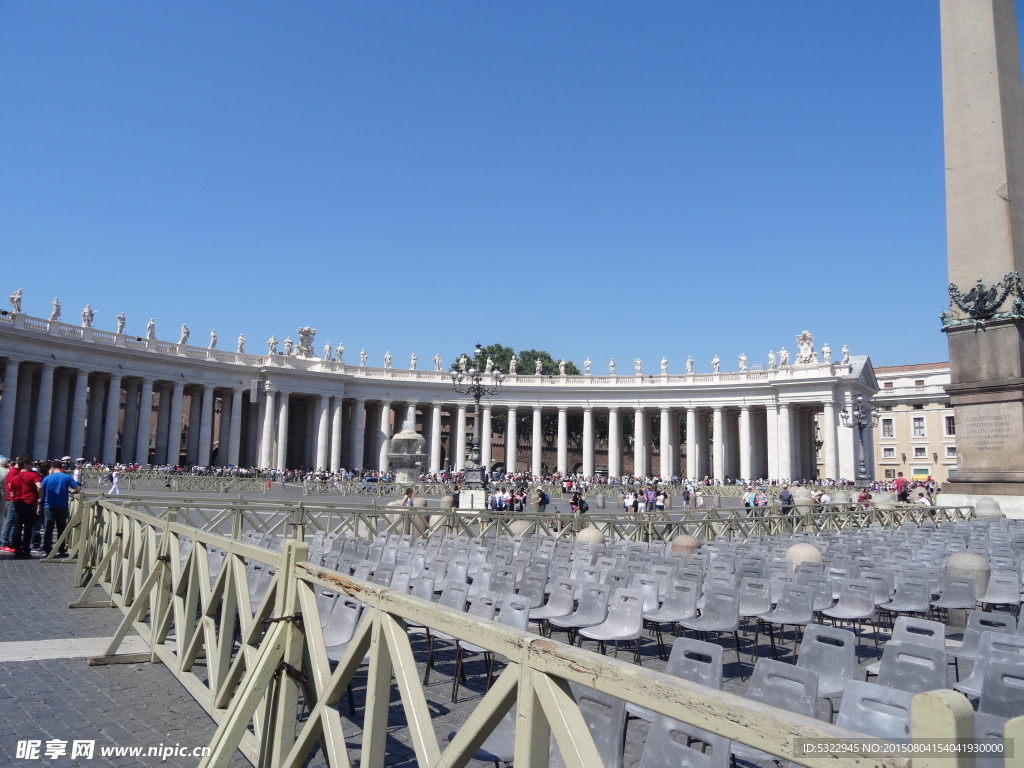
250 669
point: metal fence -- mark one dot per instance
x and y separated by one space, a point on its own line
253 667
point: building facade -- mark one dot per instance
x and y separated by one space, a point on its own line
916 433
83 392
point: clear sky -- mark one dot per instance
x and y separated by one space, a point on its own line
602 179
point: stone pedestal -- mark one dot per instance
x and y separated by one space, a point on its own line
599 501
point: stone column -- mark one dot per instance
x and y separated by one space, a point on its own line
485 438
614 444
195 405
563 440
538 442
588 441
459 459
358 430
435 438
511 440
384 436
44 409
76 435
113 415
174 424
639 443
691 443
94 433
772 440
144 423
746 447
703 446
131 420
785 445
163 419
284 411
205 426
665 444
8 404
267 433
719 438
323 431
829 440
234 447
59 421
337 410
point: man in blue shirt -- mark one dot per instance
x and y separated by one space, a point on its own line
56 489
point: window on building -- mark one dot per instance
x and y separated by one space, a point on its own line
890 474
920 452
919 407
919 383
887 385
918 426
887 429
888 453
950 426
950 451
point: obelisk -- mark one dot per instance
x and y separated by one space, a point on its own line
983 117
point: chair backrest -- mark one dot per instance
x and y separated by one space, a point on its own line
593 604
616 578
342 623
668 744
515 612
682 596
647 584
755 596
423 586
625 609
913 667
875 710
722 606
784 686
563 594
483 604
907 629
605 716
455 596
856 594
1002 692
832 653
796 605
697 661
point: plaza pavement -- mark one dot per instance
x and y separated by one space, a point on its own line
131 705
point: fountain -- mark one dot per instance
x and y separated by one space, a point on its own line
407 456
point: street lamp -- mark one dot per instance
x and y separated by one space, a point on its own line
860 416
471 382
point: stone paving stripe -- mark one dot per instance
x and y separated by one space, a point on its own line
66 648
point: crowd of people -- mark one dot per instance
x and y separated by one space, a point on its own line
36 500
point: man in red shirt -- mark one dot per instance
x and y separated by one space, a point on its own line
24 488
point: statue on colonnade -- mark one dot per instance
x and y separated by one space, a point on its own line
305 348
437 362
16 302
121 320
272 345
55 311
185 333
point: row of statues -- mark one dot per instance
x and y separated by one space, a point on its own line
806 354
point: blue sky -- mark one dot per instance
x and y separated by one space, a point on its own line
602 179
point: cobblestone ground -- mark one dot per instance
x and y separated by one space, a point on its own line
118 705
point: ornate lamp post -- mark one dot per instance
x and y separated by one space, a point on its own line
860 416
472 383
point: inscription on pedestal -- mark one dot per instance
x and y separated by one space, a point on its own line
989 432
990 441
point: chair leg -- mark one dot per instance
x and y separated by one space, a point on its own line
771 635
430 657
459 674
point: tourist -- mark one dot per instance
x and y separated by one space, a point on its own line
407 499
786 499
115 483
902 488
24 488
56 489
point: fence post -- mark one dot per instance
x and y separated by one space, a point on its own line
946 715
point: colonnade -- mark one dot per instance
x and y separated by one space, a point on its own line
52 410
112 398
